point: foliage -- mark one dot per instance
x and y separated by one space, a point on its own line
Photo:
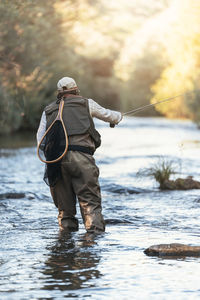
31 60
160 171
137 90
25 65
113 49
83 39
182 71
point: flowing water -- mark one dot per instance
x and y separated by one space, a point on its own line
38 261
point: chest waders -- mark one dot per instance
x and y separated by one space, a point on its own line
74 175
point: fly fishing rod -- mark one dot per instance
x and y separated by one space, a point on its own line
141 108
136 110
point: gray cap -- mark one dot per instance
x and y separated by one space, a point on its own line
67 82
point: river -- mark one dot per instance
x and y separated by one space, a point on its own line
38 261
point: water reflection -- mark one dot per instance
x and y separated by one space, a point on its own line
72 262
17 140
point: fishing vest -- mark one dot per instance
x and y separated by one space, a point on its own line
76 117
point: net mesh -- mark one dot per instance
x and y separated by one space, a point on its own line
53 147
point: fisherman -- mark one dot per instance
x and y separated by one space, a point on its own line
79 173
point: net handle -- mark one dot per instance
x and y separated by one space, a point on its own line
58 118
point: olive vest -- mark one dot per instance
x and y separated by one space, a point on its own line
76 117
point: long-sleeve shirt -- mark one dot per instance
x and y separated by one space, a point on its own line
96 111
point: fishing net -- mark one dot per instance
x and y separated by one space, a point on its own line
51 149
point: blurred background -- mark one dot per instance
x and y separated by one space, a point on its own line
123 54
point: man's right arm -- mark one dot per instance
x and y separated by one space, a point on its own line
107 115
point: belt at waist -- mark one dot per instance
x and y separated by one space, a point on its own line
83 149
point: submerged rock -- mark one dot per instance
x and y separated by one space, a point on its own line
173 250
180 184
119 189
12 196
117 221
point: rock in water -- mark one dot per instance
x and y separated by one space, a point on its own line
12 196
173 250
180 184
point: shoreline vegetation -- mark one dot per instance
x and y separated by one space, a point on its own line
122 68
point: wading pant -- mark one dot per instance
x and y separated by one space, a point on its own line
79 180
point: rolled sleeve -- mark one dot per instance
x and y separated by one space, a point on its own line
106 115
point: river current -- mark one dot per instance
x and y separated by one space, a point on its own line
38 261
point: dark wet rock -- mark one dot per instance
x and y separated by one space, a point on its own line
180 184
173 250
117 221
118 189
12 196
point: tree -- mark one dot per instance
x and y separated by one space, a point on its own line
182 72
32 55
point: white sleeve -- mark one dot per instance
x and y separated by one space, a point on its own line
42 127
104 114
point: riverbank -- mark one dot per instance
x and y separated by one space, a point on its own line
18 140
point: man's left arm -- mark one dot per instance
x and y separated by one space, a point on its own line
42 128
